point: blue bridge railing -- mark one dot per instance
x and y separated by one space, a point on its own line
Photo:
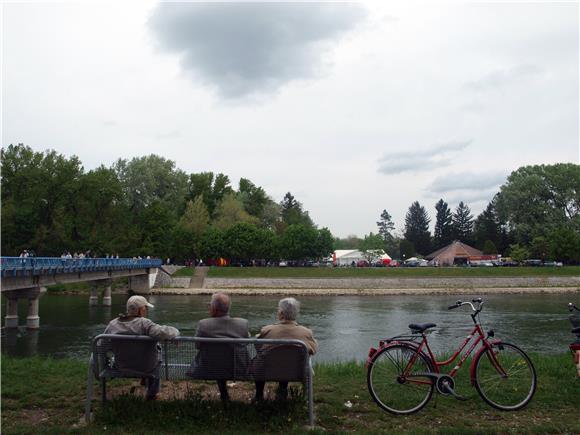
18 266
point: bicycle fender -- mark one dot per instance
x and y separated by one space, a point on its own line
476 357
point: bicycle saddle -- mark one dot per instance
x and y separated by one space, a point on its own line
421 327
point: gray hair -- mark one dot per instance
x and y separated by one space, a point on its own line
288 308
220 302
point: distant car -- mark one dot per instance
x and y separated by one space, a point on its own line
534 263
552 264
283 263
362 263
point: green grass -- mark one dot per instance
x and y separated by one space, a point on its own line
383 272
184 272
42 395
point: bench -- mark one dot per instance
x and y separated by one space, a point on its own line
196 358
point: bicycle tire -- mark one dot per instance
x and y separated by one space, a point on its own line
390 389
505 393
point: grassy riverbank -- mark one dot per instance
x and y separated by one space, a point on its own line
384 272
42 395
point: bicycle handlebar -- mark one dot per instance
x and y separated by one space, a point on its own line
473 301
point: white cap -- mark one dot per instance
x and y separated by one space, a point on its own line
136 302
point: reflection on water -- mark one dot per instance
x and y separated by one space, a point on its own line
345 326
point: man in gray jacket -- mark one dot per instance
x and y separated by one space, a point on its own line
221 361
139 357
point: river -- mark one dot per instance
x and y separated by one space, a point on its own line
345 326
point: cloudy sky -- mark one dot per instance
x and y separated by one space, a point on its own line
353 107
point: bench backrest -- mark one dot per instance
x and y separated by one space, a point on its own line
201 358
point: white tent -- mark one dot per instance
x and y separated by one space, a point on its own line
345 257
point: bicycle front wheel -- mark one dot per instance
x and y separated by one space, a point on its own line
397 381
505 377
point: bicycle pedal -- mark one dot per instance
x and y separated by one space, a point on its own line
457 396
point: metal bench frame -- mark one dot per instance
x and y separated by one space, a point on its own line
95 372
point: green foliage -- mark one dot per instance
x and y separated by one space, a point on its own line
212 244
292 212
243 241
299 242
417 229
386 227
372 247
489 248
462 223
538 199
230 211
407 249
324 243
565 244
212 189
349 242
519 253
489 225
443 233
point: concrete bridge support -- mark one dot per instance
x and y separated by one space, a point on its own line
94 297
32 318
141 284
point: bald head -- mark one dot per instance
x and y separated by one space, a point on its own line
219 305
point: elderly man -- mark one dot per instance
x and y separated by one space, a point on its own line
135 322
221 325
286 328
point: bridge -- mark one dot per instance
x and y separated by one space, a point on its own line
27 278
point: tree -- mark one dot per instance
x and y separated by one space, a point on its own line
253 198
540 248
349 242
372 247
565 244
230 211
462 221
298 242
196 217
212 245
292 213
324 243
490 226
212 188
489 248
443 233
417 228
536 200
386 227
242 242
407 249
519 253
150 179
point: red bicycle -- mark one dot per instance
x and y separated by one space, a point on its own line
575 345
402 373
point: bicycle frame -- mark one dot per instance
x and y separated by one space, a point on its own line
476 336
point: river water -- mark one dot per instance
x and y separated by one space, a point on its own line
345 326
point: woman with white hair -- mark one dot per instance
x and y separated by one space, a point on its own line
286 328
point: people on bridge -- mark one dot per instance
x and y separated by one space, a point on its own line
286 328
135 322
221 325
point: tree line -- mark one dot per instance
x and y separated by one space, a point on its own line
535 214
147 206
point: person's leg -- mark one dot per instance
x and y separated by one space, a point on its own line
223 390
260 390
153 384
282 392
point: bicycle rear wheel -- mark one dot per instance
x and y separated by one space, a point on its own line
395 384
505 379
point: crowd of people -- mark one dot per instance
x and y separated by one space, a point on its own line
219 324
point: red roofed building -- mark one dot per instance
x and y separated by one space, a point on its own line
457 253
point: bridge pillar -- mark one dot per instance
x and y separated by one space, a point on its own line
33 320
11 319
141 284
94 297
107 296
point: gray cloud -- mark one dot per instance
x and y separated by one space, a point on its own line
421 160
502 77
249 48
468 181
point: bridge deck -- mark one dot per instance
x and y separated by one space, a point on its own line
18 266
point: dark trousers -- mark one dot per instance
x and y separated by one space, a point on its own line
282 392
152 383
223 390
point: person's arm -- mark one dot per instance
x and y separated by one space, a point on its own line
311 343
161 332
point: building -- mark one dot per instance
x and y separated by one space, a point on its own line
457 253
